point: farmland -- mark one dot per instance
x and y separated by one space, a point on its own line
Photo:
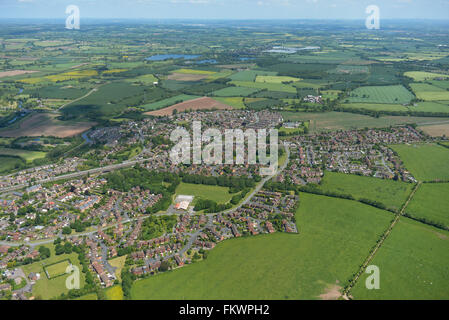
429 92
391 193
427 162
204 103
383 94
431 203
215 193
421 76
24 154
413 264
334 237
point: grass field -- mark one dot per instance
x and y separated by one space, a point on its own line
114 293
430 107
234 102
391 193
427 162
168 102
381 94
235 91
421 76
262 85
24 154
215 193
118 263
9 163
250 75
57 269
335 236
376 106
49 288
276 79
343 120
413 264
429 92
90 296
431 202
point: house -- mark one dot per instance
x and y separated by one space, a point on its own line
5 287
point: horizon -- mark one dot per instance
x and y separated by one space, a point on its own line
226 10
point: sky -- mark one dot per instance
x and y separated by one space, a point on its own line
226 9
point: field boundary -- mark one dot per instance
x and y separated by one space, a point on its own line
52 264
379 243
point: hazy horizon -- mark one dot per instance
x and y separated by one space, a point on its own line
226 9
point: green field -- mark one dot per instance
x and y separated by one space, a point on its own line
431 107
215 193
234 102
421 76
429 92
262 85
250 75
9 163
375 106
413 264
57 269
431 202
49 288
168 102
114 293
335 237
276 79
427 162
391 193
235 91
24 154
381 94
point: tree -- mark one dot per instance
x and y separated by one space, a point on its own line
165 265
66 230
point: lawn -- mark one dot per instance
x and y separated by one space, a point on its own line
215 193
335 237
57 269
413 264
50 288
389 192
427 162
381 94
431 202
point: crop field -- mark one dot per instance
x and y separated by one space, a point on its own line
43 124
429 92
334 237
204 103
344 120
24 154
391 193
235 91
276 79
169 102
375 106
215 193
422 76
263 85
250 75
436 130
427 162
381 94
57 269
12 73
431 107
413 264
234 102
187 77
431 203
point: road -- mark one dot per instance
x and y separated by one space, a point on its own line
131 163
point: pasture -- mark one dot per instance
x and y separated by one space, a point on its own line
422 76
334 237
431 202
24 154
276 79
200 191
235 92
234 102
168 102
391 193
10 163
427 162
429 92
413 263
263 85
381 94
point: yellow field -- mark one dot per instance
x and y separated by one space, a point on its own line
192 71
421 76
276 79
